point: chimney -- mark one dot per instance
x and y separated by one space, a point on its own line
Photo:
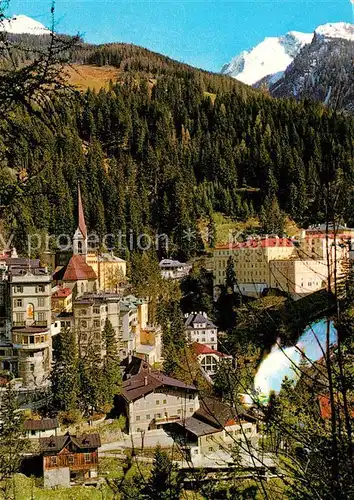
145 380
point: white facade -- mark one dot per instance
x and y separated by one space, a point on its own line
199 328
157 408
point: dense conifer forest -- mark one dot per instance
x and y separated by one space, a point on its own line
165 146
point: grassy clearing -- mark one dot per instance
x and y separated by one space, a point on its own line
25 488
226 227
84 76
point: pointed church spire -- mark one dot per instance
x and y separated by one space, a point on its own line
80 236
81 216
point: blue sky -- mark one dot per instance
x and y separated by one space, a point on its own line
203 33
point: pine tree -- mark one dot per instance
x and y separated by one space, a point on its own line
111 365
64 376
13 445
164 482
231 280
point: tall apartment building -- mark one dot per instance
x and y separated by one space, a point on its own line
26 346
90 312
297 266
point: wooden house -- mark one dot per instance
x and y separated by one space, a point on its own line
69 458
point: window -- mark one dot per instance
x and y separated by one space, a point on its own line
32 368
18 289
40 288
195 452
96 323
53 460
2 352
18 303
210 448
164 401
41 302
190 396
42 316
148 417
87 458
96 310
157 415
84 324
191 410
33 433
71 459
157 402
137 418
179 412
83 312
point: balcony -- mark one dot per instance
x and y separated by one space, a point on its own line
31 346
18 323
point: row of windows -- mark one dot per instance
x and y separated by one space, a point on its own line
40 316
38 288
158 415
19 302
71 459
164 401
29 339
96 323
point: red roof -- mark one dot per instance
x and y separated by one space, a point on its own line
325 407
62 292
204 349
76 269
264 243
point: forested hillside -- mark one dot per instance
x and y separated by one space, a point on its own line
165 146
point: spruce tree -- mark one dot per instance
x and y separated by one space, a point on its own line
13 445
64 376
164 482
111 366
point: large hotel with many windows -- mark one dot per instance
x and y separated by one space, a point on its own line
297 266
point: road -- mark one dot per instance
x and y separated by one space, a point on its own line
139 440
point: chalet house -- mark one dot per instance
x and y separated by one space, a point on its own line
209 359
150 399
213 432
44 427
173 269
69 458
199 328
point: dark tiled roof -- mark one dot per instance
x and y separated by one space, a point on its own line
143 383
31 329
57 443
196 426
41 425
194 318
76 269
134 365
217 413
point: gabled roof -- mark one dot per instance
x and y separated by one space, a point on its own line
216 413
43 424
204 349
195 318
56 443
134 365
62 292
80 213
76 269
172 263
143 383
197 427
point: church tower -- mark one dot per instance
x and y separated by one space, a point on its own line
80 236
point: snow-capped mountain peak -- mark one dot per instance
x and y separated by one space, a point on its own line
267 61
19 24
269 58
336 30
